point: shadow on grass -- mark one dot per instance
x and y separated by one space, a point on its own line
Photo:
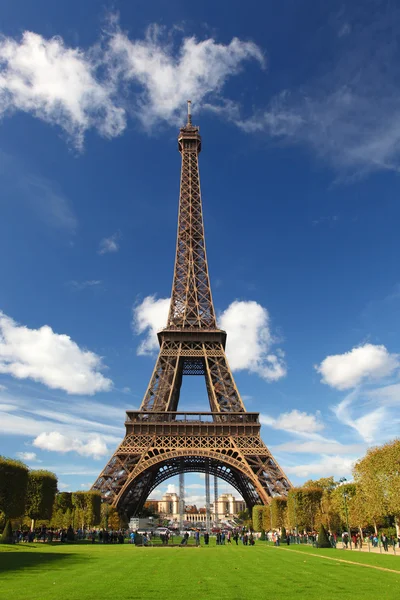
17 561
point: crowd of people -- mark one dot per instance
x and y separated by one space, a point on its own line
222 537
355 540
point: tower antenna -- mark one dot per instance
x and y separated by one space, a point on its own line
189 111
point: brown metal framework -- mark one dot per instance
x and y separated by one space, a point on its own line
161 442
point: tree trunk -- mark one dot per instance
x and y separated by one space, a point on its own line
397 525
360 529
32 524
376 529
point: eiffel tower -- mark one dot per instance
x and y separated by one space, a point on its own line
161 442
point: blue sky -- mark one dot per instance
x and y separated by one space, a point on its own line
298 110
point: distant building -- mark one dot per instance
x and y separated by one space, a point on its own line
227 507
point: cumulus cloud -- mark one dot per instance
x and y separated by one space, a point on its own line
58 85
295 421
334 465
150 78
363 363
198 70
109 244
249 340
149 317
57 442
50 358
249 336
28 456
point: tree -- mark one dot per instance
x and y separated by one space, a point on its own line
78 503
92 509
257 514
350 504
278 512
87 508
323 540
13 486
62 510
326 513
41 492
378 475
303 506
114 521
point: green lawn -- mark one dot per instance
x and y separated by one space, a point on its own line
121 572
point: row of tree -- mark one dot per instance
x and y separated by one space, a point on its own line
25 492
33 494
371 500
79 509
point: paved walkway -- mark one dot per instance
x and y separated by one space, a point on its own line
371 550
341 560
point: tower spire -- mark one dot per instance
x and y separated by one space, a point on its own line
189 112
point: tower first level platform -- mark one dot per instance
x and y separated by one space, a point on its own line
161 444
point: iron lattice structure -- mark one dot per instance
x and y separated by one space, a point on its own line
161 442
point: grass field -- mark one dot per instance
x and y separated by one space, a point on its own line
121 572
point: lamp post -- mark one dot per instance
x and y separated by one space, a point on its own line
342 480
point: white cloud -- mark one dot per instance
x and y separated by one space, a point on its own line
320 447
3 388
58 85
63 486
109 244
249 337
50 358
349 114
57 442
149 317
199 70
28 456
151 78
367 362
294 421
373 425
249 340
332 465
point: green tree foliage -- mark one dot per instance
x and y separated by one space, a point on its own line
63 501
41 492
62 511
114 521
326 513
278 512
92 508
378 475
13 486
350 497
257 514
323 540
87 508
303 505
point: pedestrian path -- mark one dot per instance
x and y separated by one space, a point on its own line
338 560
